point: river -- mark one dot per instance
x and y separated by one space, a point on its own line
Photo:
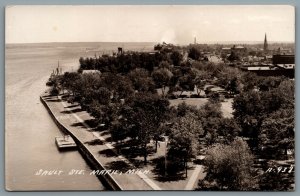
29 129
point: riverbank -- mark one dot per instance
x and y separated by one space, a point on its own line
96 148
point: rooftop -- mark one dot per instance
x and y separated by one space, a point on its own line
286 66
90 71
258 68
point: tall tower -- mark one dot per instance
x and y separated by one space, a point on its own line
195 41
265 43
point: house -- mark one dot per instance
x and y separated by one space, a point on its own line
91 71
239 50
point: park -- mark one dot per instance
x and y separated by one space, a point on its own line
174 115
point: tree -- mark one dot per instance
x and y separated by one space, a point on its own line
249 81
82 63
214 97
176 58
278 133
187 79
102 95
232 86
55 89
200 80
211 110
212 69
70 82
233 56
286 90
194 53
124 89
249 112
268 83
184 109
211 117
91 87
55 83
104 114
141 80
229 167
229 129
229 78
252 107
184 135
143 115
164 65
162 78
118 132
120 86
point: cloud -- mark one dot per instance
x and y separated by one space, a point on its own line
169 36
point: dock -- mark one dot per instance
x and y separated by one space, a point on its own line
65 142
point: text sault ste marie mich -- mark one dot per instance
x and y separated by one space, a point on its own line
54 172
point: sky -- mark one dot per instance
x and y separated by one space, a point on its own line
172 24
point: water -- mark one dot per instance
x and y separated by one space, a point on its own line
29 130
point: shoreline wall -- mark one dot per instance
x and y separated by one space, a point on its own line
106 179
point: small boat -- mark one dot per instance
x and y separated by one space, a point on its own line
65 142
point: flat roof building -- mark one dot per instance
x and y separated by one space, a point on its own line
283 59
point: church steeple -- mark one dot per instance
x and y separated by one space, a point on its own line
265 43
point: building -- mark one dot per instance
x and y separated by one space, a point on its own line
238 50
283 59
164 47
226 50
281 51
265 44
91 71
283 65
271 71
120 50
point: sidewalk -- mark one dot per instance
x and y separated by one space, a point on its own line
73 119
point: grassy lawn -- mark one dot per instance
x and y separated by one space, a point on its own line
226 108
198 102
